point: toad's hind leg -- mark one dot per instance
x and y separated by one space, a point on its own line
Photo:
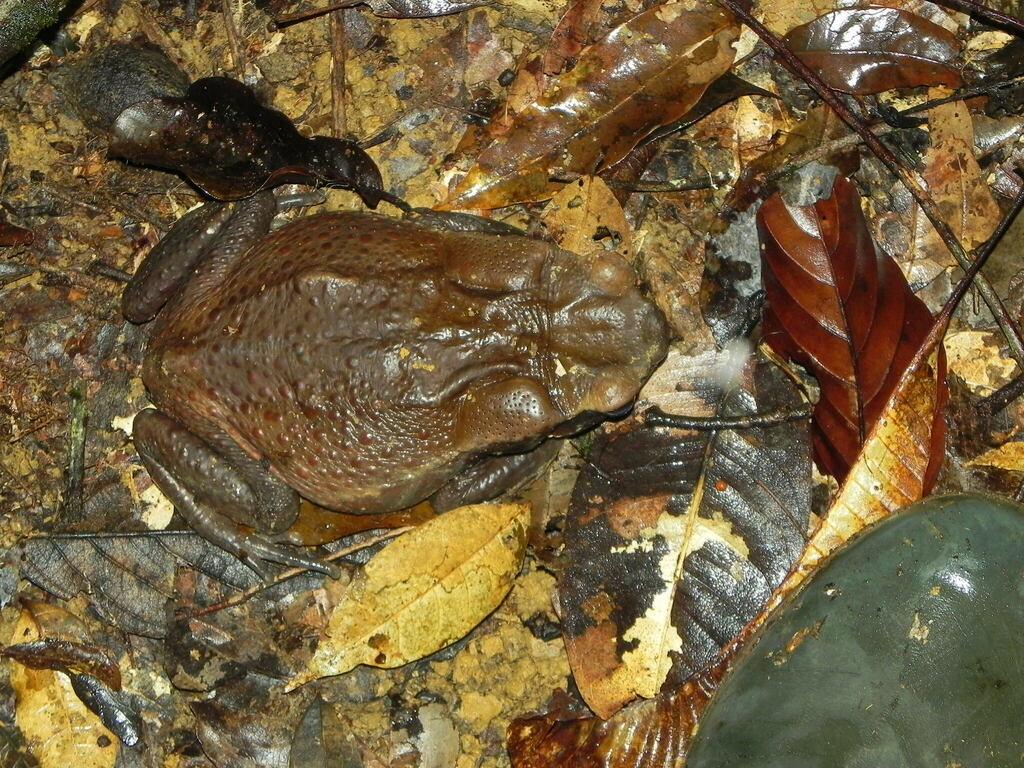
221 231
213 490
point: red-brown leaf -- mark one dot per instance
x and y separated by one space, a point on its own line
843 311
654 732
869 50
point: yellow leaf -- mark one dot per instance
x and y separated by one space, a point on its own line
59 728
424 591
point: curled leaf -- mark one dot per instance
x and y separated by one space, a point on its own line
424 591
870 50
56 724
231 146
645 73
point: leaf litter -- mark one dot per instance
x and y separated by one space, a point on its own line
414 79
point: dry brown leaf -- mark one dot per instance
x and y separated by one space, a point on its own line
424 591
645 73
585 215
58 727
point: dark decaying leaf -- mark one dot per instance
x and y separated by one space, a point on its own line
675 538
645 73
108 707
845 312
249 722
869 50
230 146
127 577
12 235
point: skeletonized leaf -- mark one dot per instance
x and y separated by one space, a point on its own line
676 537
424 591
842 310
128 577
57 726
645 73
869 50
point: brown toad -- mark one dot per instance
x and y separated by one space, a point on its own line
365 362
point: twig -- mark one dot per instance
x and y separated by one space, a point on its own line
71 504
910 180
990 15
231 31
655 417
294 18
291 573
339 119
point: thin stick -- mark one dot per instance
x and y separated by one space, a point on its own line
291 573
71 504
983 12
339 119
294 18
237 57
910 180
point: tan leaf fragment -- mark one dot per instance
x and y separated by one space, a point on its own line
955 182
585 215
59 728
424 591
976 357
1008 456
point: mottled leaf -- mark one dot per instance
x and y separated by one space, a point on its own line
424 591
676 537
956 184
869 50
842 310
644 74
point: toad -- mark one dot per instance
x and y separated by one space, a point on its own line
366 363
